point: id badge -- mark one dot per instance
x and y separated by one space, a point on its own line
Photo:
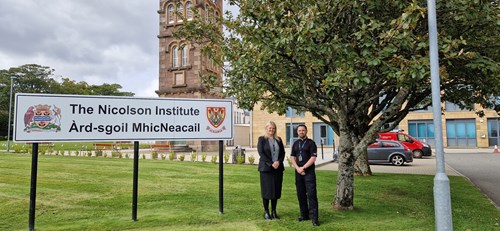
300 158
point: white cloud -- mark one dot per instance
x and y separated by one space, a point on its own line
110 41
95 41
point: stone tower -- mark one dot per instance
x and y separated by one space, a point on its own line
181 62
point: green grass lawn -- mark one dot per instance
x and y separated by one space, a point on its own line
66 146
89 193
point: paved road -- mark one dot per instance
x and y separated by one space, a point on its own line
480 166
482 169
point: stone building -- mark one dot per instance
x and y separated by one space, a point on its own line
181 62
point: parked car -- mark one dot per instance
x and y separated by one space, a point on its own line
387 151
418 148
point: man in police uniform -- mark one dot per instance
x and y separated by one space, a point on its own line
303 156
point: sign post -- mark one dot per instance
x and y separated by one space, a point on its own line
221 177
70 118
135 180
34 170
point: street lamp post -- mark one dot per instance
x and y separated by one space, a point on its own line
10 113
442 198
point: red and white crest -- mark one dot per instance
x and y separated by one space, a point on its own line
216 115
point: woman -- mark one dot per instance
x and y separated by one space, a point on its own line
271 153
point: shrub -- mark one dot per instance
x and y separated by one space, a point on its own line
154 155
89 153
143 156
240 159
194 156
127 156
17 149
172 156
115 154
203 157
98 153
226 157
214 159
251 159
181 157
163 156
289 161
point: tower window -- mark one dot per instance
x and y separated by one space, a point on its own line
206 12
184 55
175 56
170 14
180 10
189 12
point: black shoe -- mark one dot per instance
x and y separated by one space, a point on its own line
302 219
275 215
315 222
267 216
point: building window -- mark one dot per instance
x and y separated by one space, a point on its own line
290 112
294 134
179 79
422 130
185 53
180 11
189 11
493 131
453 107
461 132
427 109
170 14
175 56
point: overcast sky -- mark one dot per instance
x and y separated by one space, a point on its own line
96 41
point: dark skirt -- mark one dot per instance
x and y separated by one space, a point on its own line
271 184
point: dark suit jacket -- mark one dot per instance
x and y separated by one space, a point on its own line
266 161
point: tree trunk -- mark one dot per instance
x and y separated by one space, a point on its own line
344 196
361 166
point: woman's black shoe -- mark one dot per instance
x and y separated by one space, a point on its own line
275 215
267 216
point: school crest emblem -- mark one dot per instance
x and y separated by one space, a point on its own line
42 118
216 116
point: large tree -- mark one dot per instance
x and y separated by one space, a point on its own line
34 78
355 65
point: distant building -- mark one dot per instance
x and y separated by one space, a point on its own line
241 129
461 129
287 125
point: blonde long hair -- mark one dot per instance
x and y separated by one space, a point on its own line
271 123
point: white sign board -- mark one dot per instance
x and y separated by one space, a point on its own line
43 118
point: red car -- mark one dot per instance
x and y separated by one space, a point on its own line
418 148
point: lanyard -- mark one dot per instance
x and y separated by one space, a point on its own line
301 149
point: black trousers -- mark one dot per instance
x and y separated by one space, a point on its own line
307 195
